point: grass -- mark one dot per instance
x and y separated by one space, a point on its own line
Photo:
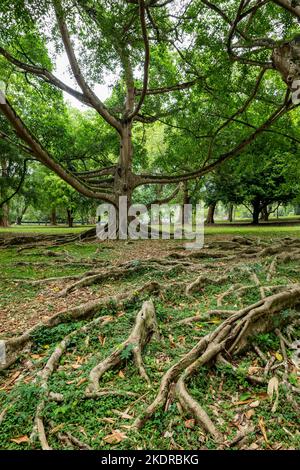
43 229
247 230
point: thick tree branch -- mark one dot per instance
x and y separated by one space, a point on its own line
43 156
168 89
86 90
166 199
45 75
153 179
5 201
142 12
239 111
15 144
288 5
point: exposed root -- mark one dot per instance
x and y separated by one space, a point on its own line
200 317
231 336
272 269
257 283
104 392
145 326
44 375
222 296
203 281
81 445
10 349
94 278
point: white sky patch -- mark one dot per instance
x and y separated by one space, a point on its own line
63 73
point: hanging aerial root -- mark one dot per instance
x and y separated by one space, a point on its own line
47 371
230 337
145 326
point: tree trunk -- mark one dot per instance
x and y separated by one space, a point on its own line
4 216
70 218
124 180
256 212
186 215
20 216
264 217
53 216
230 213
297 209
4 209
211 213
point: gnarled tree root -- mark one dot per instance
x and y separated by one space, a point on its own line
145 326
51 365
231 336
10 349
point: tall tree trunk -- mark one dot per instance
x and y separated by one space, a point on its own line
124 180
4 216
230 212
20 216
256 212
186 215
264 217
4 209
297 209
70 218
211 213
53 216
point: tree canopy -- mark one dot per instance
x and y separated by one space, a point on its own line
216 76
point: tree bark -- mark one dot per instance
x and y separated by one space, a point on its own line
230 213
70 218
264 214
211 213
53 216
186 215
256 212
4 209
20 216
4 216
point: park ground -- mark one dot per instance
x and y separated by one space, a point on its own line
252 399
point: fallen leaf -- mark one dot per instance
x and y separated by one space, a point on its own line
81 381
254 404
253 369
190 423
21 440
108 420
122 414
181 339
102 339
172 342
36 356
263 429
249 413
115 437
278 356
121 374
